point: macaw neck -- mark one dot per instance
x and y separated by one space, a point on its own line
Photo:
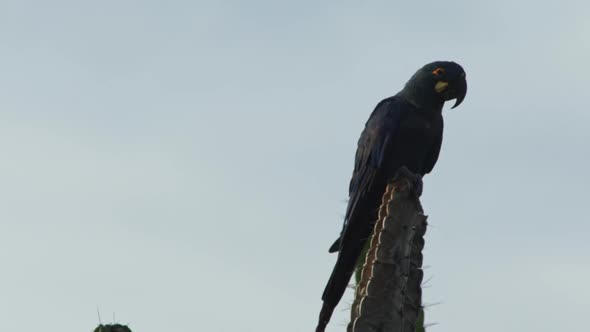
422 99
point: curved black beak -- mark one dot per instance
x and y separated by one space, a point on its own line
460 88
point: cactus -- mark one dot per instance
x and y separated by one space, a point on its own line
388 295
112 328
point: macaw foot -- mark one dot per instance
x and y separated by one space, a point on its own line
415 179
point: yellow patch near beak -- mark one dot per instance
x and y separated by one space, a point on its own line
441 86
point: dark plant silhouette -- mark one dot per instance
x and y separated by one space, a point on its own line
112 328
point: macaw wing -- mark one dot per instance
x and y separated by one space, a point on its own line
368 178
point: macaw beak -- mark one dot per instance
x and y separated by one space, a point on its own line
460 87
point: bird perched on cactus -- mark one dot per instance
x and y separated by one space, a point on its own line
403 132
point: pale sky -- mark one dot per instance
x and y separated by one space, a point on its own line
185 164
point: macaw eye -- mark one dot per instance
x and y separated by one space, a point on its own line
438 71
